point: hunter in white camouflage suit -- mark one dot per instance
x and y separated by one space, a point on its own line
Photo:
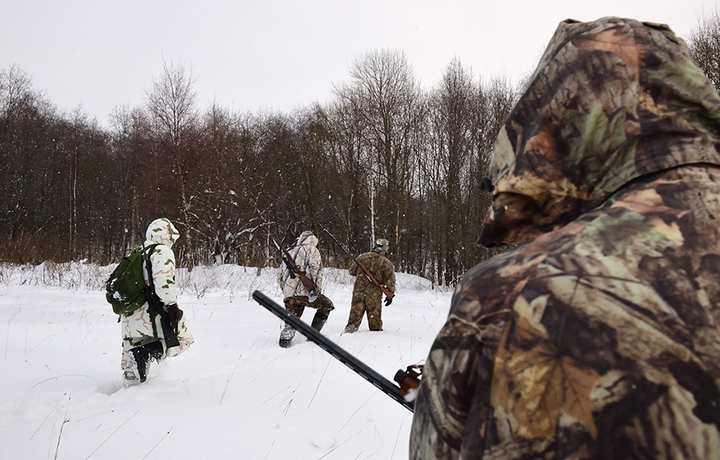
296 296
142 333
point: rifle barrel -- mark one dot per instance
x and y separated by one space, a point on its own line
362 369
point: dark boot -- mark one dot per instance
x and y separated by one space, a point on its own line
142 356
155 350
319 320
286 336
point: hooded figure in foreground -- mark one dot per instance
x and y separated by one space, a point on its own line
600 337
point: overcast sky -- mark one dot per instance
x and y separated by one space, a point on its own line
282 54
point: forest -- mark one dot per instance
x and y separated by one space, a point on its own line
384 158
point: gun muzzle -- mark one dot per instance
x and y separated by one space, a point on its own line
409 381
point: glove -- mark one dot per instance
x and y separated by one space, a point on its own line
388 301
174 315
313 295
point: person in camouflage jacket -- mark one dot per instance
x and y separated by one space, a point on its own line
600 337
295 296
367 297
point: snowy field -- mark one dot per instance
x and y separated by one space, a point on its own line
235 394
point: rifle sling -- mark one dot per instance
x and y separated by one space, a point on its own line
155 305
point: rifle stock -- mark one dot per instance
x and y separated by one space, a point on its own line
388 293
294 270
307 282
334 349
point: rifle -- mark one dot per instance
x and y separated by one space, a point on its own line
295 271
337 352
155 307
388 293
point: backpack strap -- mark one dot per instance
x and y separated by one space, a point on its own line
148 268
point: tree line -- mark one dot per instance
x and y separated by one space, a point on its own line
383 158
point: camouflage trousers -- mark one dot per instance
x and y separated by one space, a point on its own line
296 306
365 302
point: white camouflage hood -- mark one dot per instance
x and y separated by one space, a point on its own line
162 231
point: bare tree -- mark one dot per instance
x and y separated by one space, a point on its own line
389 99
129 147
173 115
225 215
32 191
452 106
349 155
704 44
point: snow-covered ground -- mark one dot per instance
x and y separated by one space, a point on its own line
233 395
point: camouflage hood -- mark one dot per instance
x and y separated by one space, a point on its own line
306 238
611 101
162 231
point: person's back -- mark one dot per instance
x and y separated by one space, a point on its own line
296 296
367 295
157 329
600 337
306 256
379 266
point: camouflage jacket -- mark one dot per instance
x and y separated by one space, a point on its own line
163 233
600 337
306 256
380 268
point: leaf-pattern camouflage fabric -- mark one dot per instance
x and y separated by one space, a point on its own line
296 305
600 337
367 298
610 101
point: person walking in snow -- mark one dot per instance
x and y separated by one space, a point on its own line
367 296
307 259
142 331
599 337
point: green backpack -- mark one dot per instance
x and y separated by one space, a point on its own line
125 289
